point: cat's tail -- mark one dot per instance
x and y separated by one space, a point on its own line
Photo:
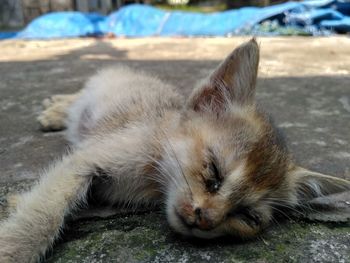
39 216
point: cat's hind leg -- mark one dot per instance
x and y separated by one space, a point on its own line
54 115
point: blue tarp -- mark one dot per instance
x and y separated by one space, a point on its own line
312 17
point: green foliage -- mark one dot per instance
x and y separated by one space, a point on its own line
193 8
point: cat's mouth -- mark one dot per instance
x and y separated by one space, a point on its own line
183 221
188 229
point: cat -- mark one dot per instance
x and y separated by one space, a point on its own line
215 160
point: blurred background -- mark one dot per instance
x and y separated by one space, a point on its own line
16 13
128 18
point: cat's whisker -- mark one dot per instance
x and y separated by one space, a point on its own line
163 173
276 222
178 163
290 206
280 211
163 170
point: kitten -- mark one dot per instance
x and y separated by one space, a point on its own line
216 160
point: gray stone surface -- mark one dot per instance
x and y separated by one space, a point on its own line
304 83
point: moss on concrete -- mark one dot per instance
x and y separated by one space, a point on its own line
147 238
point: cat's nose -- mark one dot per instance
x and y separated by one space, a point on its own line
202 220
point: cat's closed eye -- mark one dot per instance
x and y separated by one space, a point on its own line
214 181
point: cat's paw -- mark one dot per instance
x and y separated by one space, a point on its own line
54 114
8 204
12 201
52 119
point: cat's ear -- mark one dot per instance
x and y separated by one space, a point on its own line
309 185
233 82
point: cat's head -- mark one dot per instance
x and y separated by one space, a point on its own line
228 165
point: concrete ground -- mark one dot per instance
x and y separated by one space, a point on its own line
304 83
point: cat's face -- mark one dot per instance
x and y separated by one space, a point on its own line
227 165
226 159
229 171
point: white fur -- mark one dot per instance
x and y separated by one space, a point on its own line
121 149
117 91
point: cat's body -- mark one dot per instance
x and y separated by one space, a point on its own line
125 127
215 160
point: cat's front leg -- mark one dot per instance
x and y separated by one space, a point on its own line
40 213
39 216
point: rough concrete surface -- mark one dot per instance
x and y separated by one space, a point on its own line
304 83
